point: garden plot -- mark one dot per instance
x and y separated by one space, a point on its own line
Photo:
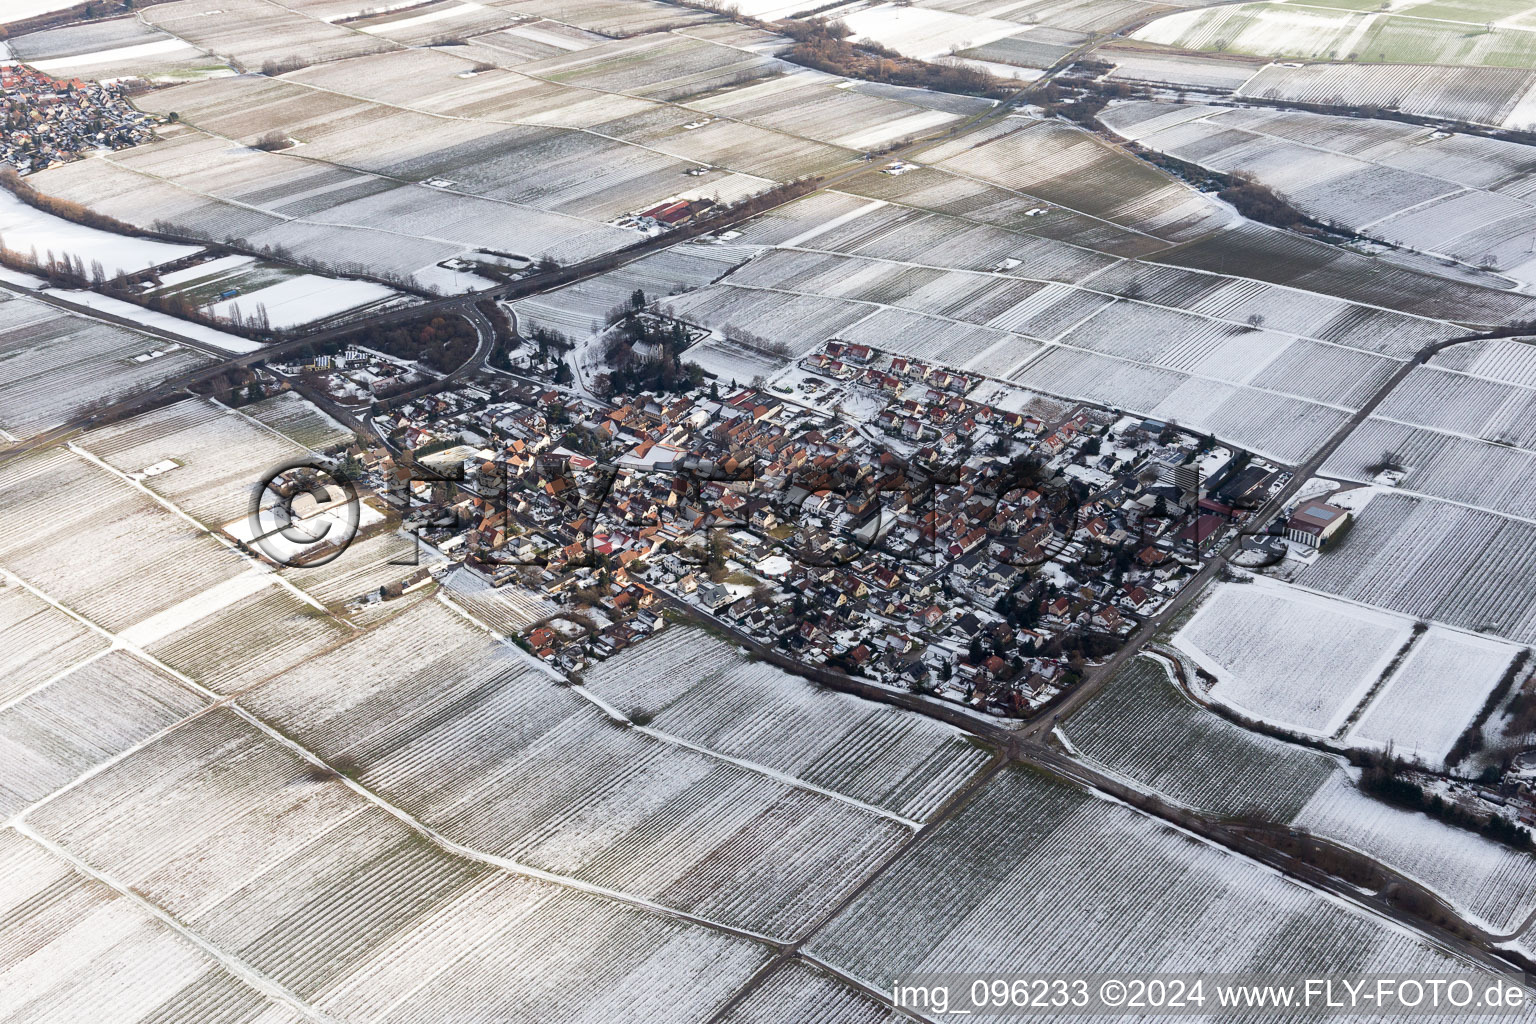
95 711
1284 656
274 860
73 949
1030 849
300 420
1434 694
1437 561
41 641
206 459
26 231
98 545
254 33
706 692
556 784
1144 729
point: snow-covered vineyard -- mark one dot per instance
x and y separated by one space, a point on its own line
1165 902
1205 762
421 783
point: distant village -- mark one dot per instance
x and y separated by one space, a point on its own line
46 121
986 552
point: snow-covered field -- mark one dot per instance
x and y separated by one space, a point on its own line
1437 561
110 957
97 544
221 340
285 867
1434 694
475 739
303 300
706 692
1283 655
1493 884
1144 730
16 10
41 640
95 711
27 230
1455 195
1033 871
220 456
1405 31
925 32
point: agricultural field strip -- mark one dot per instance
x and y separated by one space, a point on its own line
226 542
62 673
444 843
1457 187
17 822
239 968
174 183
1439 500
682 109
1162 242
1055 342
665 737
1401 16
1078 286
1342 472
1119 261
